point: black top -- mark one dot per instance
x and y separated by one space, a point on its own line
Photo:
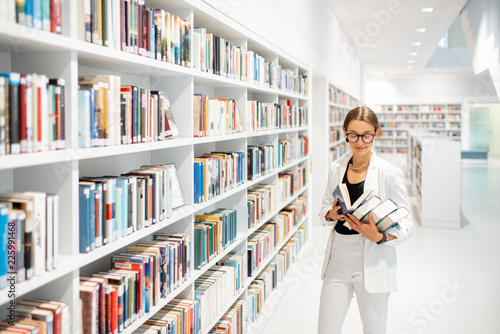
355 190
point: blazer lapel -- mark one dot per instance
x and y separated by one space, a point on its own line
372 170
342 167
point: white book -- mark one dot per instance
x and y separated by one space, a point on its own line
392 218
362 212
383 209
55 230
49 224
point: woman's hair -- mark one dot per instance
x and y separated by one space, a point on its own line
362 114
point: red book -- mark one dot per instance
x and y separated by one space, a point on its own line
140 8
102 299
55 16
113 308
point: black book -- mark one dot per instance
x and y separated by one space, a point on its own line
13 111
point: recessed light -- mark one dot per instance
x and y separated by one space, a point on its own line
417 43
421 30
409 67
413 53
428 10
410 61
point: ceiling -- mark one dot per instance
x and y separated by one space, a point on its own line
382 32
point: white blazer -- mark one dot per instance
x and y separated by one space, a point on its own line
386 181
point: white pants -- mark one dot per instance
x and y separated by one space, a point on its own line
344 276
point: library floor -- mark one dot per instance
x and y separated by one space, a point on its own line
448 279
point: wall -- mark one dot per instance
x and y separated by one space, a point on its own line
308 30
494 151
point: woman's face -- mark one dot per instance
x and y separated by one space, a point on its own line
365 133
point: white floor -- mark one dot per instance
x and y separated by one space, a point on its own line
448 279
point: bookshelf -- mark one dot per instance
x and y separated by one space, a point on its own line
435 187
396 120
27 50
331 104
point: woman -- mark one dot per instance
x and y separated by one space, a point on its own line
359 259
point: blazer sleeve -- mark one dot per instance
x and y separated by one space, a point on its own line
403 230
326 203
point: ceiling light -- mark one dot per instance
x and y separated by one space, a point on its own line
413 53
410 61
417 43
421 30
408 67
428 10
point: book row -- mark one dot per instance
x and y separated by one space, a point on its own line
271 116
338 151
337 96
38 316
290 183
112 300
233 321
215 288
261 288
217 55
261 201
336 134
215 117
425 108
112 207
336 114
32 113
216 173
265 240
213 233
132 27
38 14
263 159
111 114
29 231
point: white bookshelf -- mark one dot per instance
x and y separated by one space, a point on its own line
331 104
445 120
434 169
26 50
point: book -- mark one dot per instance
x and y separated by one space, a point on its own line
392 218
383 209
362 211
341 192
5 249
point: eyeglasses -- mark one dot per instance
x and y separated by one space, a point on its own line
367 138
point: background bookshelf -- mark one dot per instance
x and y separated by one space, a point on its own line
396 120
66 56
331 104
429 178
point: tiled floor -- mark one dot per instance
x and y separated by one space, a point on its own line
449 280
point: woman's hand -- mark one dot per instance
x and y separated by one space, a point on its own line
333 213
368 230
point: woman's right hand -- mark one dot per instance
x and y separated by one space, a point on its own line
333 213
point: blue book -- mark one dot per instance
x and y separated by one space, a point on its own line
84 217
46 15
91 224
4 220
84 115
37 14
346 206
28 10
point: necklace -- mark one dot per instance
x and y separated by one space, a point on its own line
358 170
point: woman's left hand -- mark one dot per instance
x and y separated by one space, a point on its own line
368 230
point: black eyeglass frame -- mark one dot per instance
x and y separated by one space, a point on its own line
362 137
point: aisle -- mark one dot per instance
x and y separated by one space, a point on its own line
448 279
